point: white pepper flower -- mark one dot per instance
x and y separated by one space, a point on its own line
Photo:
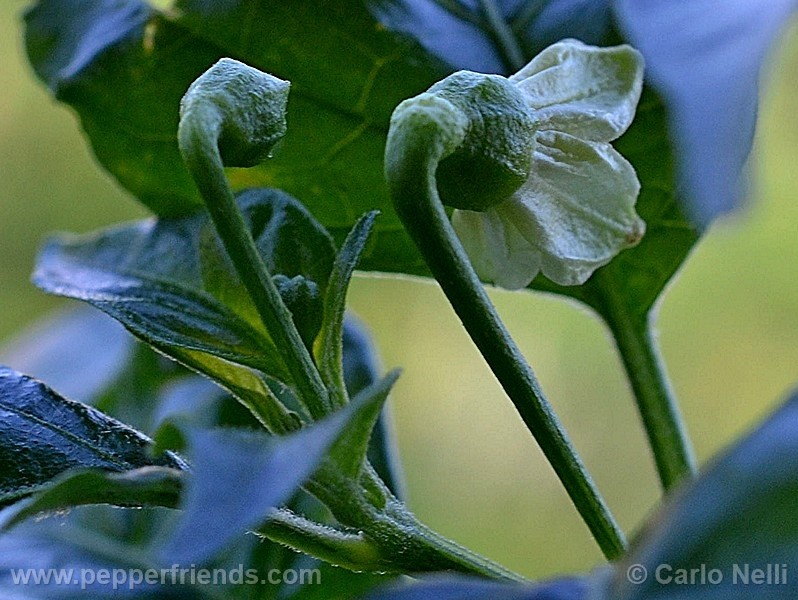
575 211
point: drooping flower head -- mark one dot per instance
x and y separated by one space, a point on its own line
575 210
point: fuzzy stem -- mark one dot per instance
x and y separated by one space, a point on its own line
421 135
199 135
399 542
659 411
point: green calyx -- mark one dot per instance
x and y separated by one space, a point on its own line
495 156
248 107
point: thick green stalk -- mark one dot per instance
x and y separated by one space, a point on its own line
199 144
389 545
431 551
390 537
659 411
350 550
420 137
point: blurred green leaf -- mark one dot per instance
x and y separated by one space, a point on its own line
361 370
707 64
237 476
471 40
740 513
79 352
457 587
42 435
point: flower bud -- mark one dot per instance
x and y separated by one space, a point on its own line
244 106
496 155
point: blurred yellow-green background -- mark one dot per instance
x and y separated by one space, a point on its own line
728 329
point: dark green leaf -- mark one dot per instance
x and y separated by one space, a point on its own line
290 240
343 93
170 283
297 251
238 476
84 49
342 96
133 274
94 54
43 435
145 486
302 299
741 511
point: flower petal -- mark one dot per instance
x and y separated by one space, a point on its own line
498 251
577 207
586 91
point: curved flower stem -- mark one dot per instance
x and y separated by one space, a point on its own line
420 137
656 404
199 145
